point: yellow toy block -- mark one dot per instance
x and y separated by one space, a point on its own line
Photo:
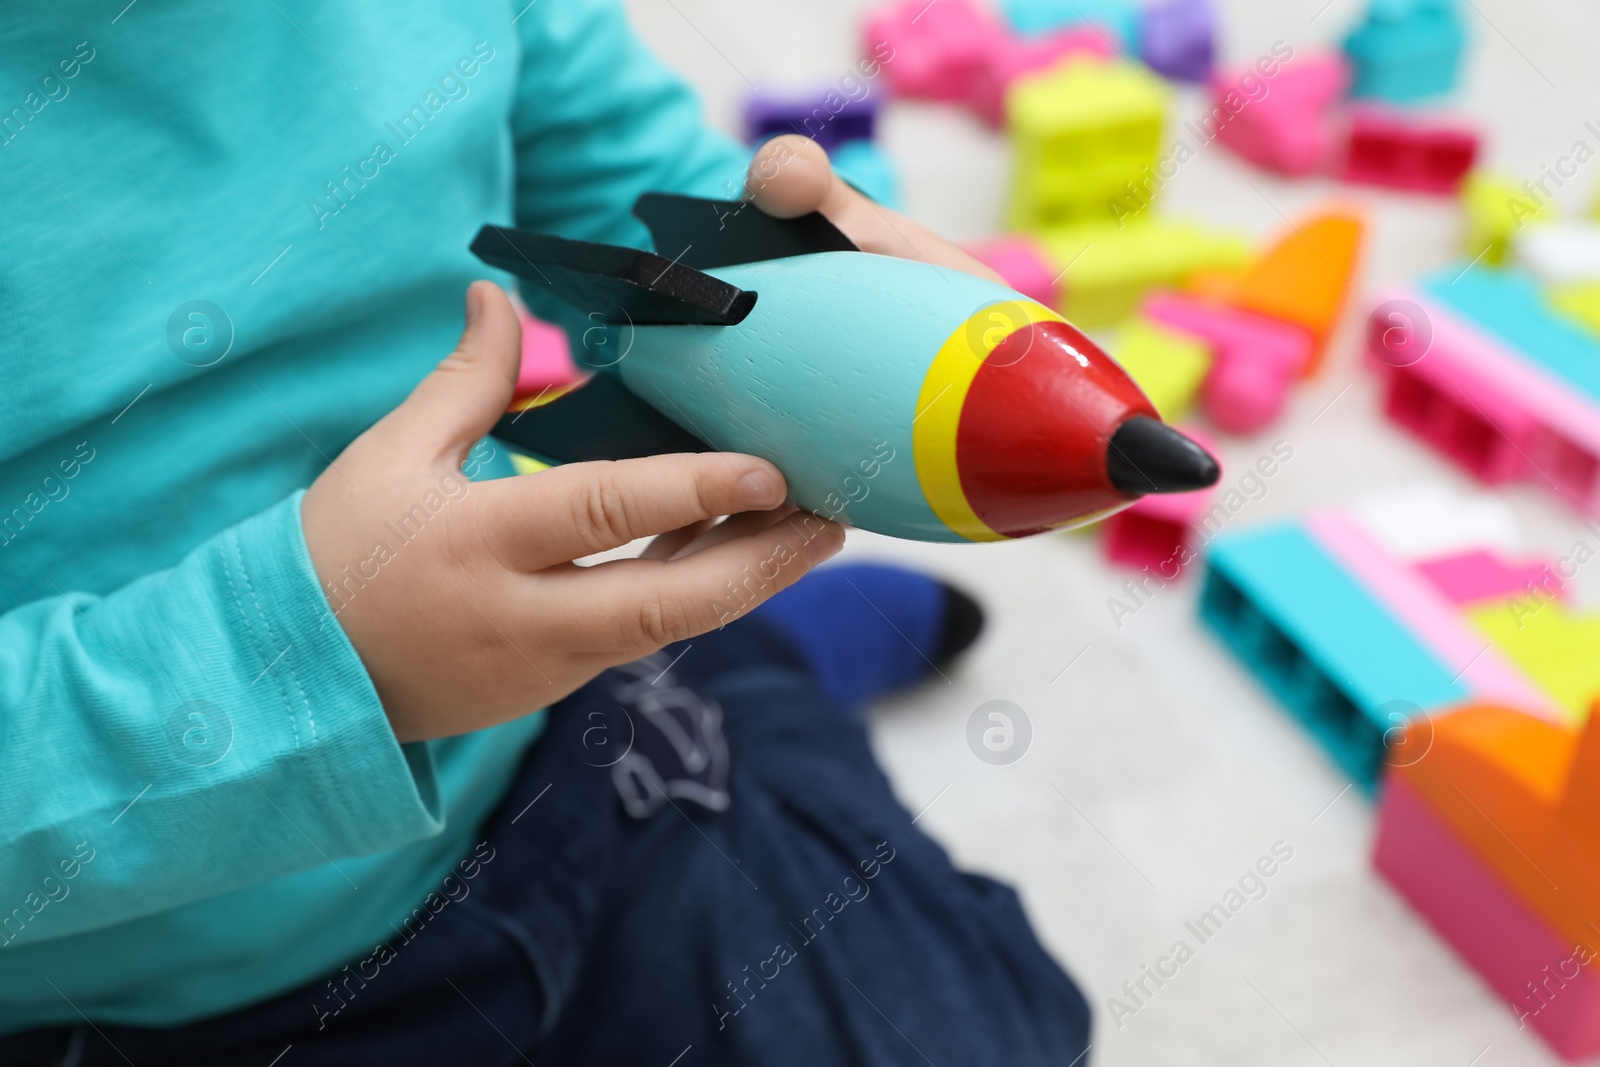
1558 650
1087 134
1496 209
1168 366
1109 267
527 464
1579 301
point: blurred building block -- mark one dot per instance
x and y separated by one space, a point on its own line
1560 252
1405 50
1158 532
936 51
1480 575
1496 210
1106 267
547 362
1012 57
1119 17
867 167
1294 128
1254 359
1401 152
1557 649
1086 134
1167 365
829 117
1024 265
1580 303
1495 380
1303 278
1178 38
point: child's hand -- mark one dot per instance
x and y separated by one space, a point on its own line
791 175
462 599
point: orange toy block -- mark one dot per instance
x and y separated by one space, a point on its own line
1523 793
1303 278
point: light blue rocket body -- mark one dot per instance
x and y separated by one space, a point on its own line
822 378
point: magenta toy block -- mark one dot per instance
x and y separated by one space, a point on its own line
1157 532
1521 957
1473 577
1023 265
933 51
1292 126
1013 56
1256 359
1402 153
1179 38
546 357
1483 404
828 117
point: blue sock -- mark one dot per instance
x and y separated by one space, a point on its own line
868 629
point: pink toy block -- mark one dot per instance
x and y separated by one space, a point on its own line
933 51
1255 361
1292 128
1497 414
546 357
1399 152
1430 616
1012 56
1520 956
1473 577
1158 532
1024 266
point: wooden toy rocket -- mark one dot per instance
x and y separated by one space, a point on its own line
894 395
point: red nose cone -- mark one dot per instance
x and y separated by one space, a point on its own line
1031 444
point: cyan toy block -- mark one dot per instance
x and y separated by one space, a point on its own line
1320 643
1293 127
1255 359
1400 152
1085 134
867 167
829 117
1483 400
1167 365
1107 268
1179 38
1496 210
1406 50
1024 265
1119 17
932 51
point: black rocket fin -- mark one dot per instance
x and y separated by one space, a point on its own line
621 285
719 233
598 419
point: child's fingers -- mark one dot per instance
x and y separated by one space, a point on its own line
464 396
579 509
669 544
632 607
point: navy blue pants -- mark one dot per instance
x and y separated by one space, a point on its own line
807 923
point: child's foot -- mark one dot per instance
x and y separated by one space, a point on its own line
869 629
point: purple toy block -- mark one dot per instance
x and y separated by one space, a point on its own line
829 117
1179 38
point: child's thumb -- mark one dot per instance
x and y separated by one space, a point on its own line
464 396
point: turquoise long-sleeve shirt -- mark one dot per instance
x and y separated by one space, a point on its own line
235 235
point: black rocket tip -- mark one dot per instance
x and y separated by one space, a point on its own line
1148 456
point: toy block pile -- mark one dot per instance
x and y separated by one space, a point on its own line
1493 835
1360 621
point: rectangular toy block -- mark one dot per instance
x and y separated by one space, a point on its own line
1179 38
1579 303
867 167
1085 134
1024 265
546 356
1320 643
1557 649
1254 359
938 49
1117 17
1398 152
1157 533
1496 209
1168 366
828 117
1473 577
1109 267
1293 128
1564 252
1534 967
1405 50
1013 57
1484 402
